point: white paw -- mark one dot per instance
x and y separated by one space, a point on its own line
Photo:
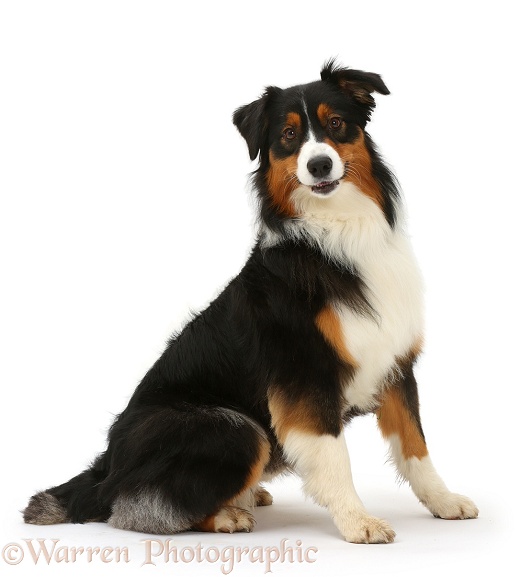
233 519
452 506
262 497
368 530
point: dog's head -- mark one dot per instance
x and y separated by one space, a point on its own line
311 139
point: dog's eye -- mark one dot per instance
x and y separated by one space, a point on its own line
289 134
335 122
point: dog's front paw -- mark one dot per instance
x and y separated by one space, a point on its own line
368 529
452 506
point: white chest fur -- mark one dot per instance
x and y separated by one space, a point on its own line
394 290
383 257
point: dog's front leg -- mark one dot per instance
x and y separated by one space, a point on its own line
323 463
400 423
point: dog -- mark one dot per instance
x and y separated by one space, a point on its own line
323 323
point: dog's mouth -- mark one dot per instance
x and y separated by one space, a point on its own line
325 187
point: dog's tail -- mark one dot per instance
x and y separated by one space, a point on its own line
75 501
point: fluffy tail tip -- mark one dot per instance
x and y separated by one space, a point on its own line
44 509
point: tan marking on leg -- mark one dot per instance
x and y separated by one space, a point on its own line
257 469
394 418
330 327
206 525
290 414
232 508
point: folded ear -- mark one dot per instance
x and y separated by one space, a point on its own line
252 122
357 84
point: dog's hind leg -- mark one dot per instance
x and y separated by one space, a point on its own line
180 468
399 421
236 514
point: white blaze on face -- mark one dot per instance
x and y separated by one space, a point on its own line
312 149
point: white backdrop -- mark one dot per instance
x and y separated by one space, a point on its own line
125 204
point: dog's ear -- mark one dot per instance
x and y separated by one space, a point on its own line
357 84
252 122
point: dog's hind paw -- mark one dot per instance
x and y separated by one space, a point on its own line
229 519
233 519
262 497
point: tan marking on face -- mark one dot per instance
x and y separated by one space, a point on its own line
330 327
294 120
323 112
395 419
359 168
288 415
282 181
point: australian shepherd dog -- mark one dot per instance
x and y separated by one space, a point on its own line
323 323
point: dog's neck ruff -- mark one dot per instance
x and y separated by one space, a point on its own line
348 228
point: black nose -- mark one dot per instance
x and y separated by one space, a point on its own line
319 166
